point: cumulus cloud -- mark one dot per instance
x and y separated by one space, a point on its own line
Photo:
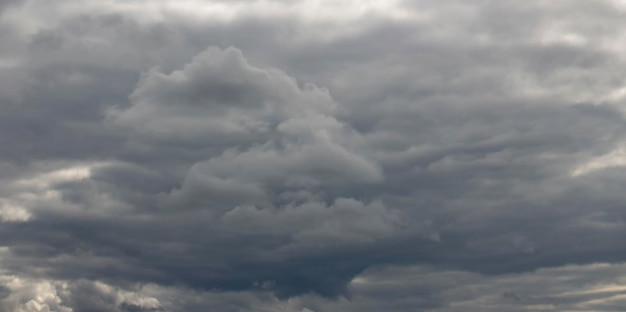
263 129
30 295
311 155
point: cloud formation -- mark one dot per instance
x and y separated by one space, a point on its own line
311 156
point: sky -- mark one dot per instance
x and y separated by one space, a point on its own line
312 156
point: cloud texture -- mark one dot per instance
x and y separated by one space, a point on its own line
312 155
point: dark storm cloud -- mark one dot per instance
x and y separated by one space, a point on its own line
382 155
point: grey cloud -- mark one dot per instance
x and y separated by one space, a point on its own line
395 288
4 292
452 138
225 94
81 295
460 291
89 296
279 136
4 4
347 220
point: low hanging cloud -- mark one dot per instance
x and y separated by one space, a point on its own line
311 156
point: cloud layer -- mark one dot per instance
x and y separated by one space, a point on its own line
312 156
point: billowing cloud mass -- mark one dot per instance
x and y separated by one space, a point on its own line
312 156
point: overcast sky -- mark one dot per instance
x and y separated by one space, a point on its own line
312 156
